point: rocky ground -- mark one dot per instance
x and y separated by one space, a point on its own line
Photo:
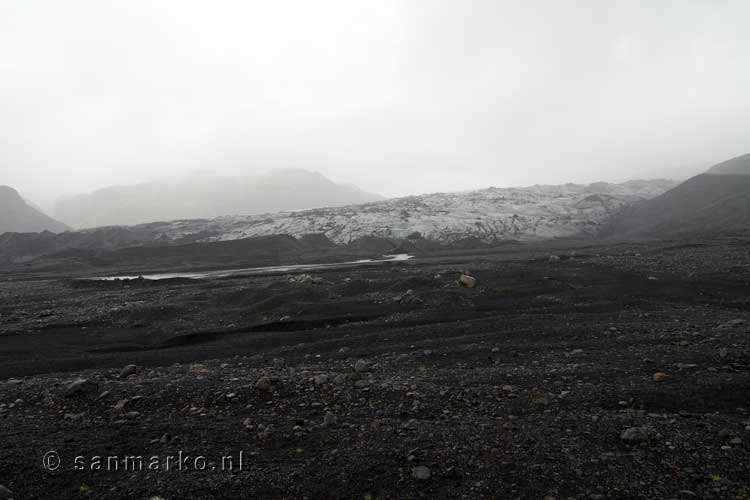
608 371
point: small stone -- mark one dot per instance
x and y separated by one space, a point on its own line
660 376
329 419
725 433
735 441
133 414
635 435
495 349
467 281
81 386
421 472
120 405
344 350
320 379
263 384
360 366
128 371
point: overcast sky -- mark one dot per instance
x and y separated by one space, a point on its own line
398 97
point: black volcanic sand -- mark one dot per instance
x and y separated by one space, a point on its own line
518 388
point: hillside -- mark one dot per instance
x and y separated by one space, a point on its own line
16 215
736 166
714 202
207 196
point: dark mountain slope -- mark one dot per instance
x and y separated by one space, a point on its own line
736 166
707 203
17 216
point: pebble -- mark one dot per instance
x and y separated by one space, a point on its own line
467 281
360 366
635 435
421 472
320 379
128 371
263 384
660 376
329 419
81 386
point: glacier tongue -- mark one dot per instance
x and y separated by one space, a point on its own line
492 214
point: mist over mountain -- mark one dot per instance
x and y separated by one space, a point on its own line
207 196
18 216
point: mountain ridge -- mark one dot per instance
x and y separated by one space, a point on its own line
17 215
206 196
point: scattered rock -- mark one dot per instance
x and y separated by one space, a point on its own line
360 366
263 384
329 419
467 281
120 405
81 387
128 371
421 472
636 435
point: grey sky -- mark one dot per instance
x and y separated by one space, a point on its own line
398 97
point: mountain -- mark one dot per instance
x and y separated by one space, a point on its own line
207 196
16 215
736 166
716 201
487 215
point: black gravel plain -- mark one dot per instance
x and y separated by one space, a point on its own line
611 371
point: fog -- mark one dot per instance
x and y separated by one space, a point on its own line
397 97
